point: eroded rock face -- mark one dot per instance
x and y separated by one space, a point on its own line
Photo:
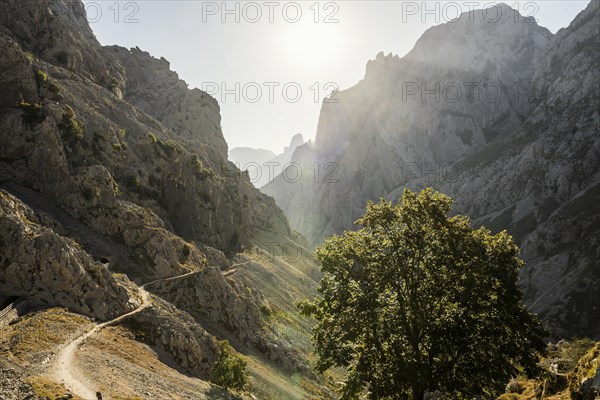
58 32
163 145
210 296
178 334
542 183
155 89
132 161
51 269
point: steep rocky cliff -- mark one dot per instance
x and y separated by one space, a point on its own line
113 173
50 269
160 141
526 160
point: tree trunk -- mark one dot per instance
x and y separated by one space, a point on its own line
418 394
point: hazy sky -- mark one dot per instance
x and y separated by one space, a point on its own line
271 63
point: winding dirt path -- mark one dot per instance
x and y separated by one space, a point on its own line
65 370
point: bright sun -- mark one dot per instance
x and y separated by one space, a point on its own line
311 45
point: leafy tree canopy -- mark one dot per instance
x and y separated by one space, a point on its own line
417 301
230 369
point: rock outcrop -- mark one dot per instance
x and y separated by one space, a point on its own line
209 296
161 142
13 387
175 332
50 269
541 183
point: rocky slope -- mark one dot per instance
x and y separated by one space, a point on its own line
526 161
111 169
50 269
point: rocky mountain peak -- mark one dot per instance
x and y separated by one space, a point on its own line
58 32
481 41
382 66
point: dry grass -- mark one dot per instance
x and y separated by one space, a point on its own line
129 369
44 387
37 334
575 360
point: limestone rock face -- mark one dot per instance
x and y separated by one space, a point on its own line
58 32
152 87
209 295
179 335
51 269
162 144
464 84
541 183
529 164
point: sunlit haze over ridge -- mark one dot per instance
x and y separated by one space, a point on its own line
271 64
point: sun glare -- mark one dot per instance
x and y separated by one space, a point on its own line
312 45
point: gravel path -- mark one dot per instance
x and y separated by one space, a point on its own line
66 371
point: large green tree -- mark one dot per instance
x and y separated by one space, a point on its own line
417 301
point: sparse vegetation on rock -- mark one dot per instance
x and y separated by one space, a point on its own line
71 128
33 112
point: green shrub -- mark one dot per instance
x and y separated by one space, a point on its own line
33 112
116 146
132 182
152 137
586 368
568 354
112 82
29 57
41 77
168 147
70 127
123 133
230 370
200 170
266 310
